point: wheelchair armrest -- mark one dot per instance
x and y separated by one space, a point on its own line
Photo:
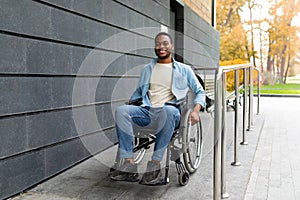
180 102
138 102
135 102
209 105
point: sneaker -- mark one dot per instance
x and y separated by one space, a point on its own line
153 175
126 172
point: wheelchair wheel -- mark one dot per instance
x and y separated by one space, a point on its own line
183 178
191 144
139 154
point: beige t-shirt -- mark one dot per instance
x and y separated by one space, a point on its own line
160 90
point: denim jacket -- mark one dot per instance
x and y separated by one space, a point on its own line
183 78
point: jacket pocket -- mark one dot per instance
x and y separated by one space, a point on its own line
180 82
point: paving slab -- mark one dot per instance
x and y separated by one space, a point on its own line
89 179
276 164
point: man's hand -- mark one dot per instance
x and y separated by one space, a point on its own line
194 116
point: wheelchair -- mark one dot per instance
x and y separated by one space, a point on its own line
186 141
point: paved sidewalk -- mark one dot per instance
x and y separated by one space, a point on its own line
275 174
270 166
89 180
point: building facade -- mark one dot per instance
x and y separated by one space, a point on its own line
66 64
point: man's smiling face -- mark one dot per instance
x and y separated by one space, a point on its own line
163 47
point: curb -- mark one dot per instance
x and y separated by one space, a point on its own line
279 95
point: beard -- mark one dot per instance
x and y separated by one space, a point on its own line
167 55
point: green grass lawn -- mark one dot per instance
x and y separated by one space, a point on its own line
279 89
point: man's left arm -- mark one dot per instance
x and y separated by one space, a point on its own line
199 97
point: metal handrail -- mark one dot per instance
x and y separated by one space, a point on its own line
258 90
229 68
219 181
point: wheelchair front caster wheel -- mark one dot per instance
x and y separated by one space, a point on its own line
183 178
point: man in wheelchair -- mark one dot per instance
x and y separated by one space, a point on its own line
163 82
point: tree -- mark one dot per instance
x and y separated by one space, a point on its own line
282 37
234 43
251 4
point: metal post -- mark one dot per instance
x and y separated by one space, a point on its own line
244 141
224 194
236 84
258 91
250 113
217 139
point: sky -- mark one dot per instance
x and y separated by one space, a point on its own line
263 13
296 21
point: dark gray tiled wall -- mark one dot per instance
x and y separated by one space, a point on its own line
30 56
12 136
102 10
69 153
59 74
21 94
17 173
49 128
205 53
25 17
12 54
151 9
47 58
20 134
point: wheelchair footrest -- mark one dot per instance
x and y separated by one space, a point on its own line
180 166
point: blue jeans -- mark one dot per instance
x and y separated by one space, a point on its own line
163 120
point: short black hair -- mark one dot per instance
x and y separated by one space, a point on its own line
166 34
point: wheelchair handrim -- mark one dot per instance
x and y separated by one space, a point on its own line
190 163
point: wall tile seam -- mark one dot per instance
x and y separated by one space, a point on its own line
160 3
63 75
196 68
199 42
204 71
74 12
203 42
56 41
211 48
201 24
110 25
46 176
41 148
91 47
35 112
125 53
202 30
49 4
203 67
206 54
141 13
